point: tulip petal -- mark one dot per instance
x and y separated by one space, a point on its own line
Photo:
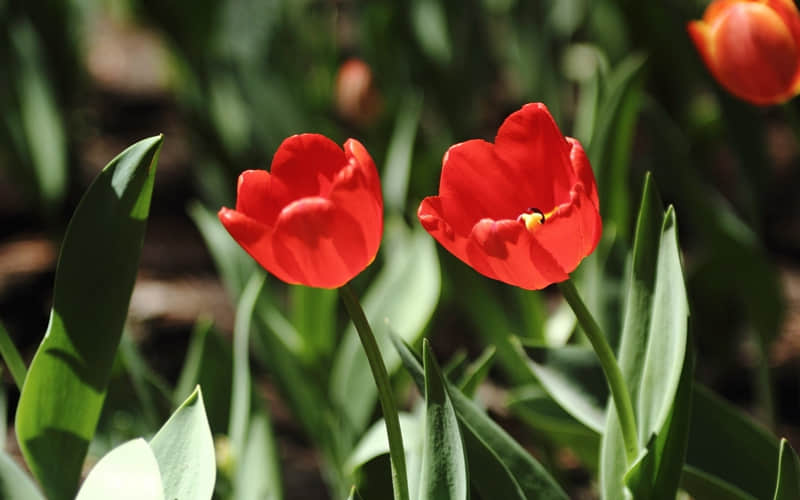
503 250
754 53
306 165
323 244
256 239
572 232
583 170
530 142
475 184
257 193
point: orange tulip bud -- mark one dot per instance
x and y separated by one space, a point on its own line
752 48
357 99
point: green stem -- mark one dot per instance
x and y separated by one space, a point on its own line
385 394
619 390
12 358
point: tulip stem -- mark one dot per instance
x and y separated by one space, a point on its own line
616 382
385 394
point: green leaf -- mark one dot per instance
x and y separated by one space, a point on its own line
705 486
538 410
12 358
498 466
399 154
128 472
257 474
747 463
93 284
404 295
209 364
233 264
241 389
375 443
612 137
14 483
476 372
43 128
654 361
788 482
184 449
313 314
444 467
572 376
429 21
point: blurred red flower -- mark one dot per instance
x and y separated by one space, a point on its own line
316 218
752 47
523 210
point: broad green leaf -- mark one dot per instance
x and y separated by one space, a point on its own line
128 472
444 468
653 359
399 154
14 482
498 466
787 486
476 372
404 295
209 364
234 265
241 388
257 474
572 376
93 284
184 449
747 463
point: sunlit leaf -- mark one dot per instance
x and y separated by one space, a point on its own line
184 450
93 284
128 472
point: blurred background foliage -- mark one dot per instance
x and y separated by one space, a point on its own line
227 80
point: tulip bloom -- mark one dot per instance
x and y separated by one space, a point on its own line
523 210
316 218
752 48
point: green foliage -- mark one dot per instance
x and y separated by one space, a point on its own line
94 280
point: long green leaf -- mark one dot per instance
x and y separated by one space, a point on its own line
498 466
444 467
653 359
12 358
787 486
257 470
398 156
184 450
241 390
93 284
128 472
572 376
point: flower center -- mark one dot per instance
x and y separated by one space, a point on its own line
533 218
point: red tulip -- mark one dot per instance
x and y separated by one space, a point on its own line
523 210
752 48
316 218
